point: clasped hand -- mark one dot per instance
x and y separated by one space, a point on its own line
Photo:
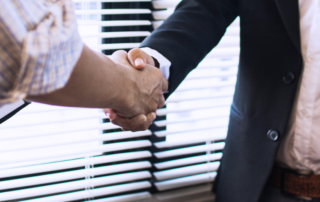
143 94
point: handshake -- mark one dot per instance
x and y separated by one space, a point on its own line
142 93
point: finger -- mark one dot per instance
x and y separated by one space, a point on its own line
145 125
106 111
127 123
150 118
139 59
161 102
112 114
165 85
137 123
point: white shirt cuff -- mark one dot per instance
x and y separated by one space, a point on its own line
164 62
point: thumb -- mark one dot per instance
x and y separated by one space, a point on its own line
139 59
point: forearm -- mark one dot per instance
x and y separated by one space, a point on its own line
95 82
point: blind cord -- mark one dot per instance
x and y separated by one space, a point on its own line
208 143
89 174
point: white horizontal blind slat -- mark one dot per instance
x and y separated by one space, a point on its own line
162 112
64 139
190 97
164 4
185 181
188 161
68 150
186 171
165 133
109 1
114 11
117 34
167 144
127 197
191 119
63 176
74 163
27 120
49 189
117 46
96 192
162 15
189 150
113 23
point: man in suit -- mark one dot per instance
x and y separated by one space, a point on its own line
272 148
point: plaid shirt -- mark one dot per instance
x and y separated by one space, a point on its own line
39 46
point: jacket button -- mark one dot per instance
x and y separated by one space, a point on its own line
273 135
288 78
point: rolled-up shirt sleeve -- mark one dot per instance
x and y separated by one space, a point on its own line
39 47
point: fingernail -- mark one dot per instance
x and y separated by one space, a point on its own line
138 62
144 119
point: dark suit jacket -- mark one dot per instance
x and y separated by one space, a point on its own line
264 96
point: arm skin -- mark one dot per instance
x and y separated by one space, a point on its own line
99 82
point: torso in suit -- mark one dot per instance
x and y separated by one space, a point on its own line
269 70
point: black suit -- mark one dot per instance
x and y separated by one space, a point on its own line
265 90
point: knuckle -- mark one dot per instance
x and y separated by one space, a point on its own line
129 102
154 106
133 124
146 127
134 50
159 74
119 52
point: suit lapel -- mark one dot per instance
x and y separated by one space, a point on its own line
289 11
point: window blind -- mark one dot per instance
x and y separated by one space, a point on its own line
197 114
50 153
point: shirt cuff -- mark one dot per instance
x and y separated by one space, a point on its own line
165 64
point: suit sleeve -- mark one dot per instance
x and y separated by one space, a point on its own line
190 33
